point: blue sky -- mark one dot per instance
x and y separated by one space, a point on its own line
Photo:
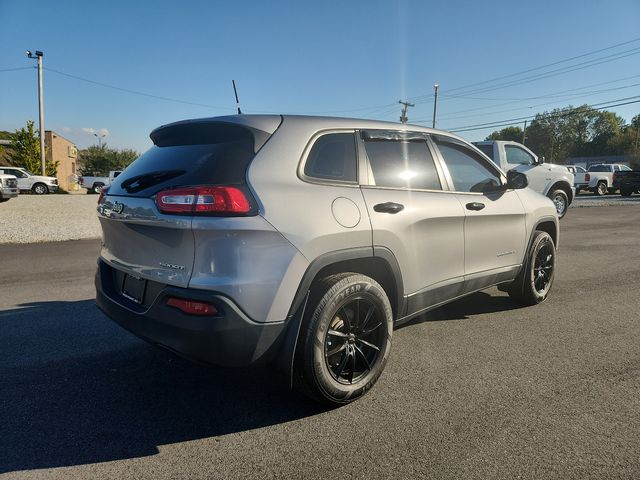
353 58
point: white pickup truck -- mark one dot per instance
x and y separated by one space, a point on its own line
599 178
27 181
554 181
95 184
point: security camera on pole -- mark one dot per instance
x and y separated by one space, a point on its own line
38 55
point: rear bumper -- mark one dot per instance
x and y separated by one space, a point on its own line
228 339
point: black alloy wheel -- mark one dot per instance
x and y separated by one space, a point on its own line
345 338
534 282
354 340
543 266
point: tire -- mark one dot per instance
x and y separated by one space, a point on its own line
561 201
97 187
356 309
535 280
3 199
40 189
626 191
601 189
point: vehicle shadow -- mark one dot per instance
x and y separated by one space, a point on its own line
475 304
77 389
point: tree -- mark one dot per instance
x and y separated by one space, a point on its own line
513 134
24 151
101 160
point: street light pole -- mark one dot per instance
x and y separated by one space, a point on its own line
435 105
100 137
38 55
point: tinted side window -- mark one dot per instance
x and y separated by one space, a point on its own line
402 164
517 156
468 171
333 157
600 168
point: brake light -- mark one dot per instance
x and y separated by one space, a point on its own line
103 192
223 200
587 177
192 307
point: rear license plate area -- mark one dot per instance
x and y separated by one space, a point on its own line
133 288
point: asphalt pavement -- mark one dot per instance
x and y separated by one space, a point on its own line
477 389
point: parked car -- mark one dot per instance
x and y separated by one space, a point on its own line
27 181
302 241
575 169
95 184
8 187
599 178
628 181
553 181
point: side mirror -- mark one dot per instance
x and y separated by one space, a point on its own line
540 160
516 180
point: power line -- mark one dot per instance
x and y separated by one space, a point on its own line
503 77
573 111
16 69
557 97
136 92
451 115
541 96
560 71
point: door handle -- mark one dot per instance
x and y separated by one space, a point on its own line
388 207
475 206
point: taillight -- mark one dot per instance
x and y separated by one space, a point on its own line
192 307
220 200
103 192
587 177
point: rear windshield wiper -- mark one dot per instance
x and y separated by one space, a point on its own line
146 180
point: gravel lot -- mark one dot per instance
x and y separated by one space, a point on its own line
47 218
50 218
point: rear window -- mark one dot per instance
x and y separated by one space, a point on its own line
189 154
599 168
486 149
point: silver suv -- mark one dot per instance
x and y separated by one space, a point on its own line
303 241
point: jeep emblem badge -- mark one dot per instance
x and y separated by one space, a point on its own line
118 207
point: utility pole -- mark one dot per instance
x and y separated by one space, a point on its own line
405 106
38 55
524 132
435 105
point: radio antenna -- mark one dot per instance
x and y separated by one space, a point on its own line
235 92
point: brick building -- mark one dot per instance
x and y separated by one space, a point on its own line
64 151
